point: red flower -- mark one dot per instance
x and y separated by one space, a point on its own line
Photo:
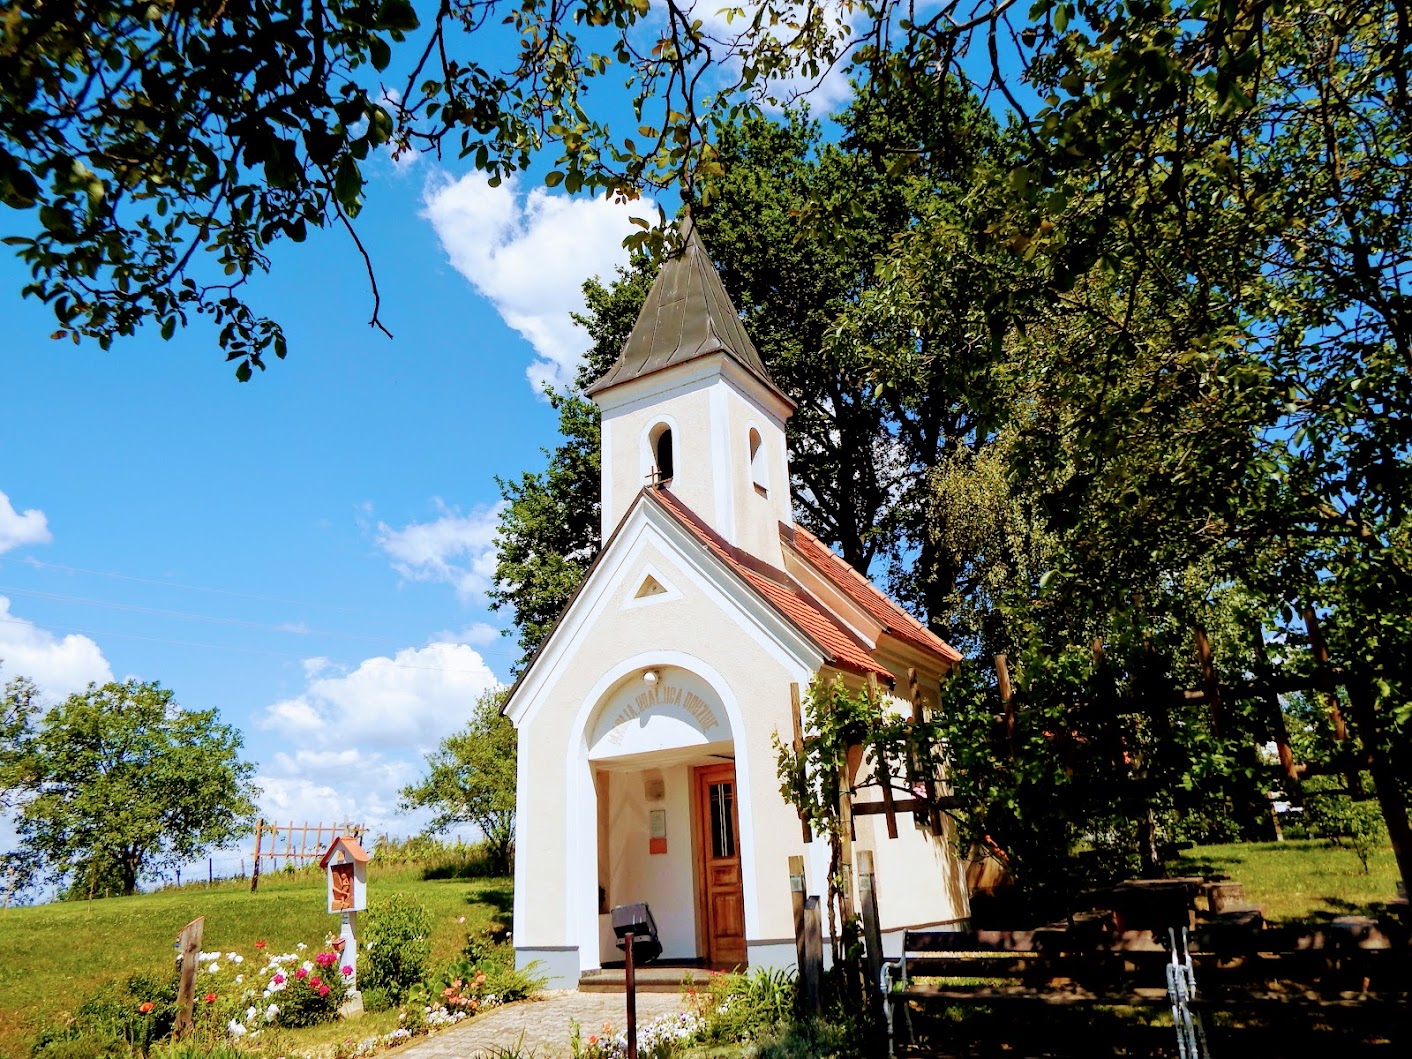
279 979
210 998
260 944
301 973
323 990
315 982
145 1006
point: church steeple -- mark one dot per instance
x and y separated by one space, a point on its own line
689 405
687 314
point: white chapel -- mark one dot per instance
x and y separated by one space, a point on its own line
647 767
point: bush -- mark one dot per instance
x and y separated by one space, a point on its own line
1341 820
375 999
74 1043
398 945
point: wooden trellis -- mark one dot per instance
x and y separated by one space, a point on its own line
298 847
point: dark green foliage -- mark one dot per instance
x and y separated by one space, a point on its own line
119 781
110 1022
376 999
1331 812
396 946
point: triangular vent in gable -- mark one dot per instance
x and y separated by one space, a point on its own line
650 587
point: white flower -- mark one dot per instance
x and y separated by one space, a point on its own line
271 1012
249 1013
301 946
239 978
213 968
236 1029
235 957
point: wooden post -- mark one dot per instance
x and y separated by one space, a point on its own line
630 986
926 813
1209 682
799 752
1007 703
255 871
811 973
189 944
872 929
845 847
1324 678
1275 716
796 900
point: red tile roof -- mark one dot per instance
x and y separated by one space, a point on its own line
840 646
858 588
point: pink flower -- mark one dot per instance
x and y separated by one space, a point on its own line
323 990
279 979
315 982
348 970
301 973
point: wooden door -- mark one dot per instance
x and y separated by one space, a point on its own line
723 904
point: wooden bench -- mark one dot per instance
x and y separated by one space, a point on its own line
1092 960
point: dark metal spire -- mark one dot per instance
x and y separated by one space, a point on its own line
687 315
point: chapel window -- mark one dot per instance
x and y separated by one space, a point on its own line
758 472
662 463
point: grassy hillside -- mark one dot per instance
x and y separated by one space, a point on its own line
53 956
1300 880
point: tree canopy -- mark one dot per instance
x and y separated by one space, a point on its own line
119 782
471 778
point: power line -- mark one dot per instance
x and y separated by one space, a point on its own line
225 647
39 564
59 597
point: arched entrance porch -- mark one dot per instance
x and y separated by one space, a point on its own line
659 816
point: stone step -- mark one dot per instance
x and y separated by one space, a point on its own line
649 979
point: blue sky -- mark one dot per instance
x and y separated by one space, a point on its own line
307 552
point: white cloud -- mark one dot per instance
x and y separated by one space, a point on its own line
17 530
824 91
455 548
409 701
529 255
59 665
401 707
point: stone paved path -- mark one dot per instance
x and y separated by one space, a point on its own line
544 1022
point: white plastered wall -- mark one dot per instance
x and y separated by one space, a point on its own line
711 406
709 626
607 641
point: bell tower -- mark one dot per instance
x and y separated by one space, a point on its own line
688 406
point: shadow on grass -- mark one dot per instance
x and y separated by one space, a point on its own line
1340 906
502 901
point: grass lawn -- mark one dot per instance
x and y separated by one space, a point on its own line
53 956
1300 880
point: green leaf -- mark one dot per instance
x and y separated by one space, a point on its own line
348 184
397 15
553 179
380 52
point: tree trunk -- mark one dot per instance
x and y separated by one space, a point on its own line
1385 784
